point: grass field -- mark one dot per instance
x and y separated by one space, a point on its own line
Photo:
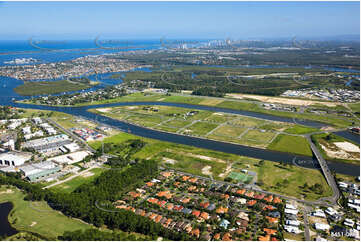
298 129
291 144
226 103
71 185
289 179
224 127
192 160
240 177
48 87
258 137
200 128
228 131
38 217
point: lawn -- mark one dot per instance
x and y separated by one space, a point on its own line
71 185
248 122
240 177
270 172
355 107
48 87
178 123
232 104
257 137
200 128
291 144
191 165
38 217
288 179
220 117
299 129
228 131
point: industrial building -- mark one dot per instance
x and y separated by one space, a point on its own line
39 170
14 158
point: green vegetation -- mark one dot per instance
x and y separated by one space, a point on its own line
96 235
299 129
193 160
213 125
37 216
240 177
291 144
70 186
225 103
217 81
290 180
48 87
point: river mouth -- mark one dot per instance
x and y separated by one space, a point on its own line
6 229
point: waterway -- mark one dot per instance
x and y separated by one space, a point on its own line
7 97
5 227
303 161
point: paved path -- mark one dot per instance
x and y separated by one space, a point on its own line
70 177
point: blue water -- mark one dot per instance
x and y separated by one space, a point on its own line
64 50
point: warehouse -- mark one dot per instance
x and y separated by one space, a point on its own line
39 170
14 158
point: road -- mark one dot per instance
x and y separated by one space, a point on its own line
305 211
319 202
326 171
71 134
70 177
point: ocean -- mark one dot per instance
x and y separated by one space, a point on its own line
64 50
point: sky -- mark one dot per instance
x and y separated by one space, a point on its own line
147 20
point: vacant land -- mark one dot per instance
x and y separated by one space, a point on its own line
38 217
224 103
213 125
290 101
291 144
48 87
335 147
71 185
211 163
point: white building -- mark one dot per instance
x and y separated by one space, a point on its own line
330 211
292 229
293 222
318 213
72 147
321 226
349 222
10 144
14 158
291 211
26 130
70 158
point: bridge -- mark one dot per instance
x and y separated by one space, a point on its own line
326 171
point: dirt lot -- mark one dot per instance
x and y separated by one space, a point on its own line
104 110
290 101
337 152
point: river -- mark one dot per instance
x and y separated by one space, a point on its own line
308 162
5 227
